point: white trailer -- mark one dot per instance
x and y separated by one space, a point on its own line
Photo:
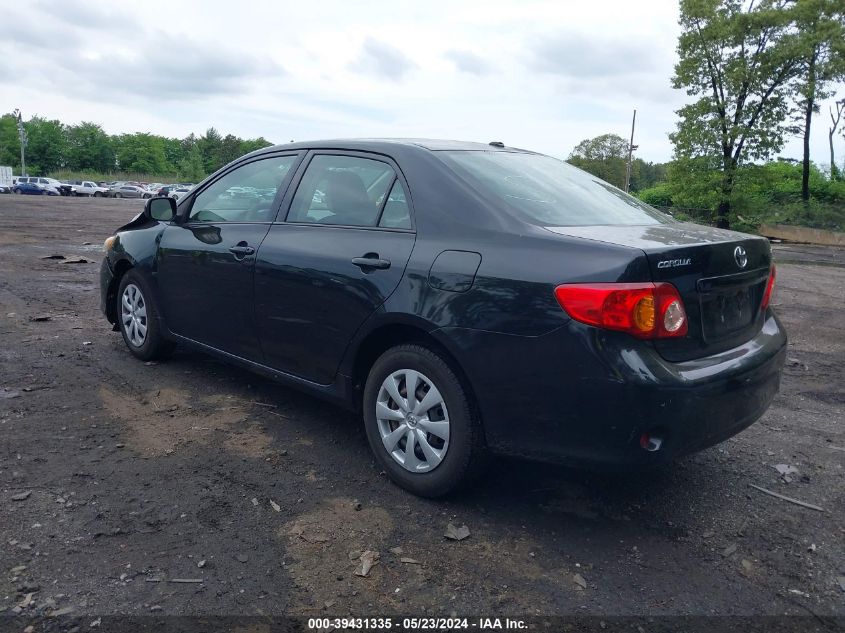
6 177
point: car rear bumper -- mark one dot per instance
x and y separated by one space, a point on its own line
583 395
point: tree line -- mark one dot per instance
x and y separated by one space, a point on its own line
756 71
53 146
763 192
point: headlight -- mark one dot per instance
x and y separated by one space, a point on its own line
109 243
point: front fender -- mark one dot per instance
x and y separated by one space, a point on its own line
135 247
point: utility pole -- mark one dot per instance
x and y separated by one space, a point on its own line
22 136
631 148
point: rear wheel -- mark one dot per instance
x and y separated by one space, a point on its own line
138 319
420 423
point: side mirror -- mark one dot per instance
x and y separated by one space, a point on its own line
160 209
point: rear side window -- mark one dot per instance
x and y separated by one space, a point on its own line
344 190
396 214
546 191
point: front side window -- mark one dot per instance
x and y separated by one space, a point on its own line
342 190
245 194
550 192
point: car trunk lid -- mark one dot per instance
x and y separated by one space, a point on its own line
721 276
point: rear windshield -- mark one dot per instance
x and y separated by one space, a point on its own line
550 192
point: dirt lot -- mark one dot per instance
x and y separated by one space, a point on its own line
117 477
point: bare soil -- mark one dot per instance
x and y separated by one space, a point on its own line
130 475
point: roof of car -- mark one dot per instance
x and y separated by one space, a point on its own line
375 144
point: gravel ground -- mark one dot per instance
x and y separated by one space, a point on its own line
118 478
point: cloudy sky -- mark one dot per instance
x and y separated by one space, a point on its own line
534 74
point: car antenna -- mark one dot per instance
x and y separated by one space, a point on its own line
496 143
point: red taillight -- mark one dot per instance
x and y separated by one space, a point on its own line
770 286
645 310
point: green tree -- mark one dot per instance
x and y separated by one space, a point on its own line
211 145
141 153
645 175
174 152
230 149
737 58
10 144
252 144
821 25
604 156
191 167
89 148
47 145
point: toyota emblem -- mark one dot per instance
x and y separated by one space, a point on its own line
740 256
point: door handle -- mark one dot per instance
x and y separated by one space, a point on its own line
241 249
371 261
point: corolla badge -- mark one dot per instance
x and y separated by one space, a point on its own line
673 263
740 256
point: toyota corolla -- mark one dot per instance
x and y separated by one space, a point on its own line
464 299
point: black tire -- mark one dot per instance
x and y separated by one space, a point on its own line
44 193
466 454
17 191
154 345
118 195
97 194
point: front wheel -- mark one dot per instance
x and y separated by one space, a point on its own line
97 194
118 195
138 316
420 422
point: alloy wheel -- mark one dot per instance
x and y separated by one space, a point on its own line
133 310
413 420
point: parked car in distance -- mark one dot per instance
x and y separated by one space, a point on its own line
89 188
50 184
151 190
127 191
463 299
66 188
23 186
179 192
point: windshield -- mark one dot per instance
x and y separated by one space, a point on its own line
550 192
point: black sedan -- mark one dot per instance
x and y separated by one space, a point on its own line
465 299
33 189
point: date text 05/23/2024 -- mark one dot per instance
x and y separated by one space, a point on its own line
417 624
